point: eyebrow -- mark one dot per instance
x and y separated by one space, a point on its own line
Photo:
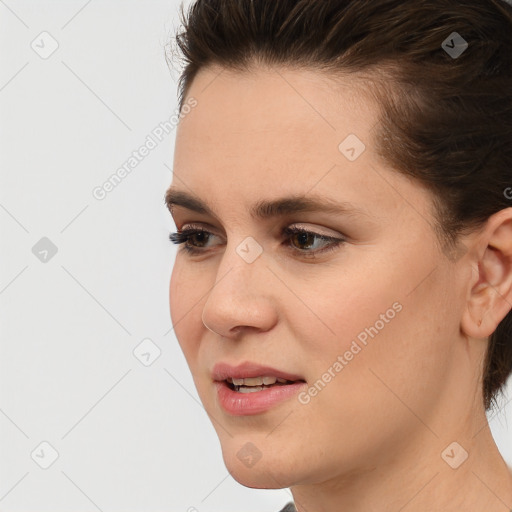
267 209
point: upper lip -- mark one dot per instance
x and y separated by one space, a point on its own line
221 371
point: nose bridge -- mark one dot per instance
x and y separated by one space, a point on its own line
238 296
242 264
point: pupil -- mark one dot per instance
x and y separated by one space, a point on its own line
201 236
303 238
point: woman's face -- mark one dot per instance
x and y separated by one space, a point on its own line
372 326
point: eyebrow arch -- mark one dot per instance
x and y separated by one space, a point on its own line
266 209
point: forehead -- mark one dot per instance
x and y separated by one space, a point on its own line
271 132
291 103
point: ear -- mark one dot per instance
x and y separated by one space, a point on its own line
490 294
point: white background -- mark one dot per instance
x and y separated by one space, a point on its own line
129 437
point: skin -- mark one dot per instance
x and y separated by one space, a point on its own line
372 438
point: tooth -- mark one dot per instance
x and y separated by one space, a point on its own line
253 381
250 390
256 381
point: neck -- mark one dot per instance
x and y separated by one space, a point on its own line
424 474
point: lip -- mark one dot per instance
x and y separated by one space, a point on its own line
257 402
221 371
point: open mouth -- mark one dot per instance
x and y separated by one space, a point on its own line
245 387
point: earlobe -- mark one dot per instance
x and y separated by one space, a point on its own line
490 297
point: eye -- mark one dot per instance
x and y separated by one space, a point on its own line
185 236
305 237
194 240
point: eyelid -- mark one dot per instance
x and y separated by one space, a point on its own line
318 230
332 243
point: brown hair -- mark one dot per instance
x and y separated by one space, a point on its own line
446 118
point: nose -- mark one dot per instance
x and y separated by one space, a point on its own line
242 297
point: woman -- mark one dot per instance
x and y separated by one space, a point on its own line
342 293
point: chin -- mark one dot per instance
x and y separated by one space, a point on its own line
258 477
251 469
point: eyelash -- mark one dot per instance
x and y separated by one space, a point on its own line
184 236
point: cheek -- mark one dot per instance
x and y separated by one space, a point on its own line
343 313
185 309
387 349
175 303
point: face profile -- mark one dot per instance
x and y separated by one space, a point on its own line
336 343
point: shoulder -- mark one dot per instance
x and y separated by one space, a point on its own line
289 507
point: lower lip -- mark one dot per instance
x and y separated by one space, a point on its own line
256 402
